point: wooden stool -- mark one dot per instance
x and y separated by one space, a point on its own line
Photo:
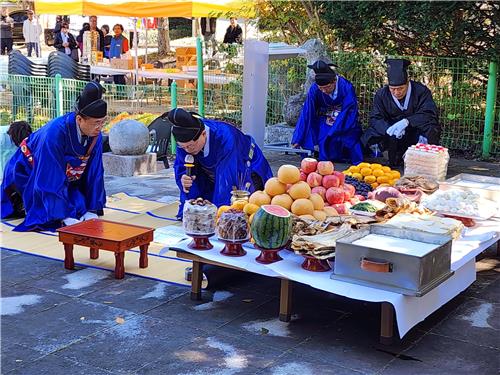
106 235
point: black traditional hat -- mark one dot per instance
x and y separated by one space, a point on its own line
187 126
397 71
90 103
324 73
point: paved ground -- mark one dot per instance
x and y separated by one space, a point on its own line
56 321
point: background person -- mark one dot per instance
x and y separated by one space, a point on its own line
6 27
234 33
65 42
107 40
32 30
118 47
208 29
100 39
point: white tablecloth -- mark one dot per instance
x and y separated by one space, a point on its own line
409 310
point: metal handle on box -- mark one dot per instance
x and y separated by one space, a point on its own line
375 266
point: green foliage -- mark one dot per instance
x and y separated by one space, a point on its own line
428 28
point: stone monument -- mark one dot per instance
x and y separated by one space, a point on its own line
129 140
316 50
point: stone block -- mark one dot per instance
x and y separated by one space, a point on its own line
129 137
278 133
128 165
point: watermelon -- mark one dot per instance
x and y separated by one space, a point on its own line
271 227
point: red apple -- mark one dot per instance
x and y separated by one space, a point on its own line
331 181
325 168
341 208
308 165
360 197
335 195
351 189
319 190
303 176
340 175
314 179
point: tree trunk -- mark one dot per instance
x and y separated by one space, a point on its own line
163 37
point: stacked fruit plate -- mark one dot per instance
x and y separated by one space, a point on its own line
315 191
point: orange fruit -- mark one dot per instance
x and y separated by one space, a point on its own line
370 179
395 175
378 172
386 169
364 165
222 209
357 175
354 169
250 208
374 185
239 205
366 171
376 166
382 180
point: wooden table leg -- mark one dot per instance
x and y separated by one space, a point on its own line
119 265
196 279
94 253
143 260
386 324
69 261
286 300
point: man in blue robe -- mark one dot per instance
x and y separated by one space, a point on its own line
329 118
224 159
403 114
56 177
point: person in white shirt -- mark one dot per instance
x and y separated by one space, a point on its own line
32 31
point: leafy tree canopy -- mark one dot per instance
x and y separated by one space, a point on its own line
435 28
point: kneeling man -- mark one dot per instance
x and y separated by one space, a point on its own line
56 177
403 114
329 118
223 158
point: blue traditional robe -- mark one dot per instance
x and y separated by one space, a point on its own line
225 165
47 183
331 123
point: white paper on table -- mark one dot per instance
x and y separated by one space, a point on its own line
169 235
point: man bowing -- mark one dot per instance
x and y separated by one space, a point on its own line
56 177
403 114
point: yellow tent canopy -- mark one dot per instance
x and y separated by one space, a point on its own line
147 8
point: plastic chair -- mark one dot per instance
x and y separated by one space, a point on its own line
160 131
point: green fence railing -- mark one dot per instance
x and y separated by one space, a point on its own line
459 87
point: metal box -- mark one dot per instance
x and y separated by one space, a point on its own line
487 187
413 270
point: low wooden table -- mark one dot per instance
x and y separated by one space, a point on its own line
106 235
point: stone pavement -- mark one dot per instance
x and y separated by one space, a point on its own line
56 321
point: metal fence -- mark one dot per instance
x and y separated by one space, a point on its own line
458 87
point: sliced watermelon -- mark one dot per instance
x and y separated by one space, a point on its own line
271 226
